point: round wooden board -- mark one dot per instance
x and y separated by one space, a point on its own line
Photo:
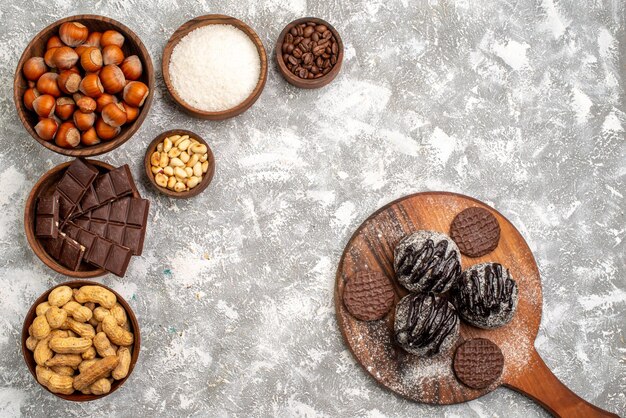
422 379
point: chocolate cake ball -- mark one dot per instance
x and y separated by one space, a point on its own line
487 295
426 324
427 261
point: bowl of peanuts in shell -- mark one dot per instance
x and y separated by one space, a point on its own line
80 340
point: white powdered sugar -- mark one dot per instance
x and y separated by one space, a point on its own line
215 67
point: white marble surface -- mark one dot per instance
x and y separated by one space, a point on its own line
519 104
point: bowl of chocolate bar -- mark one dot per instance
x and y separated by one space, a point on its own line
85 218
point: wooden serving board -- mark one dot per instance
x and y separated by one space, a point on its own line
432 380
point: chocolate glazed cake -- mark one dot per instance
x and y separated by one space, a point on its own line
487 296
427 261
426 324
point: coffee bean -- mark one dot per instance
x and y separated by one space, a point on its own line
310 50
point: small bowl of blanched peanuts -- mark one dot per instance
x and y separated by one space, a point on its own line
80 340
179 163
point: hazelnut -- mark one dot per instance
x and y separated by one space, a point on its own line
104 100
47 84
114 114
73 33
104 131
111 37
68 82
29 96
112 79
34 68
135 93
84 121
64 57
54 42
91 86
64 108
89 137
112 54
44 105
131 112
132 67
91 59
86 104
46 128
67 135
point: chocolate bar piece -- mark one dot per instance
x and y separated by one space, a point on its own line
47 217
100 251
65 250
73 185
106 188
122 221
110 256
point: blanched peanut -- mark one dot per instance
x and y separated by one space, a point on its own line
180 173
177 162
204 157
205 167
171 183
180 139
161 179
174 152
184 144
156 169
179 187
164 160
168 171
197 169
167 145
184 157
60 296
189 171
192 182
193 160
198 149
155 158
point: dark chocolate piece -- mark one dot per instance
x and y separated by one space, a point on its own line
426 324
427 261
368 295
478 363
73 185
108 255
122 221
47 217
65 250
100 251
106 188
476 231
487 295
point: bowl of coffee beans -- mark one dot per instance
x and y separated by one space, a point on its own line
309 52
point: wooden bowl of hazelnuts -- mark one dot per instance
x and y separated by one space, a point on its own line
83 85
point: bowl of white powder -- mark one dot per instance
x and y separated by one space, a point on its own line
214 67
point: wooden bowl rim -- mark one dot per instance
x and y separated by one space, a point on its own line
207 178
28 355
338 302
29 214
196 23
104 146
308 83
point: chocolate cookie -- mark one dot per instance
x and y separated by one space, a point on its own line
476 231
427 261
478 363
426 324
486 296
368 295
